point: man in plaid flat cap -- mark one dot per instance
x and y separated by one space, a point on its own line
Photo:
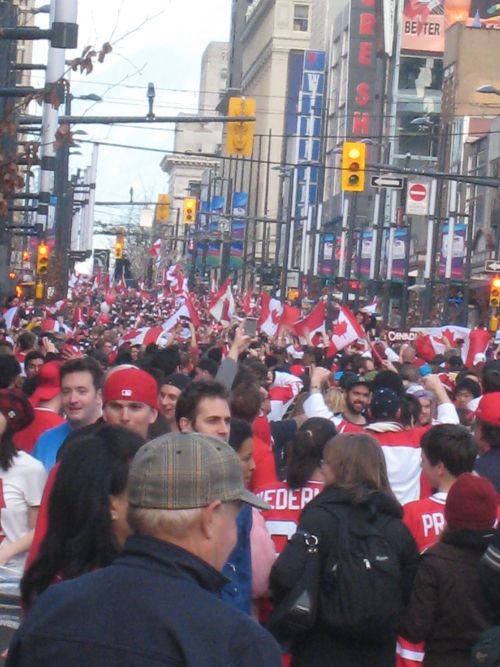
155 605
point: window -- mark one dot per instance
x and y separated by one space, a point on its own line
301 18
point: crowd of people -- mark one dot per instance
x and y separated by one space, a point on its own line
159 458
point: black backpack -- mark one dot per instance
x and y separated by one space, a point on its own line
360 591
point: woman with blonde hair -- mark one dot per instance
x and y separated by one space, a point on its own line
357 503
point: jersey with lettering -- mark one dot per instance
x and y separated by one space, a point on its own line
286 505
425 519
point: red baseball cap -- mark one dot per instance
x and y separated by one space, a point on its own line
488 410
49 383
131 384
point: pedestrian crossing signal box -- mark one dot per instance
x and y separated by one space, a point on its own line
495 292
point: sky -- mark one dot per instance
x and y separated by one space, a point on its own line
158 41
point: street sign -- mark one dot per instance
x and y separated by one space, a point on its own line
395 182
79 255
417 197
492 265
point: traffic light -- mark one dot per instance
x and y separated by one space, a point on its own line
189 210
163 208
239 136
42 259
495 292
119 243
353 166
26 256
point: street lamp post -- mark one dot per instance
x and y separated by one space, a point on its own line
64 201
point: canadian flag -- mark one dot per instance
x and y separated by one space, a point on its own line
174 278
170 323
97 279
246 303
48 324
370 308
271 311
144 336
453 335
479 339
57 307
290 316
345 330
223 308
429 345
313 323
11 318
193 313
155 249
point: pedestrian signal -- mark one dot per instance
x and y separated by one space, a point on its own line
495 292
353 166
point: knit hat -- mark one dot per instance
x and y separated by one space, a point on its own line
130 384
385 403
488 410
471 503
185 471
178 380
16 409
48 383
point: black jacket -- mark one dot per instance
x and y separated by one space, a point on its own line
320 648
153 606
448 609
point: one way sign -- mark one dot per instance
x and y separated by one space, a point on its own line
387 182
492 265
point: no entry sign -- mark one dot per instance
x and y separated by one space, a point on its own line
417 197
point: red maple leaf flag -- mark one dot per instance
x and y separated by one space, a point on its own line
345 331
223 308
340 329
479 340
290 316
313 323
193 313
271 311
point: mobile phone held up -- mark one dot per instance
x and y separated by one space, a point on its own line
251 326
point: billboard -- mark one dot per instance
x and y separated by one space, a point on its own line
423 26
424 23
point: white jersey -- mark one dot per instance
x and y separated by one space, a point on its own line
21 487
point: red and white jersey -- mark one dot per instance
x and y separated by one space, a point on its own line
286 506
425 519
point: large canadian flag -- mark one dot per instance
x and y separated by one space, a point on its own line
479 339
312 324
223 307
271 311
345 330
433 341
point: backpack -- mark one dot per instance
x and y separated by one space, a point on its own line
486 650
360 591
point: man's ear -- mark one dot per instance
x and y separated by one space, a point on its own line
154 416
207 519
185 425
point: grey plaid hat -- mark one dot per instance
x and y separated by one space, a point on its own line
187 470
